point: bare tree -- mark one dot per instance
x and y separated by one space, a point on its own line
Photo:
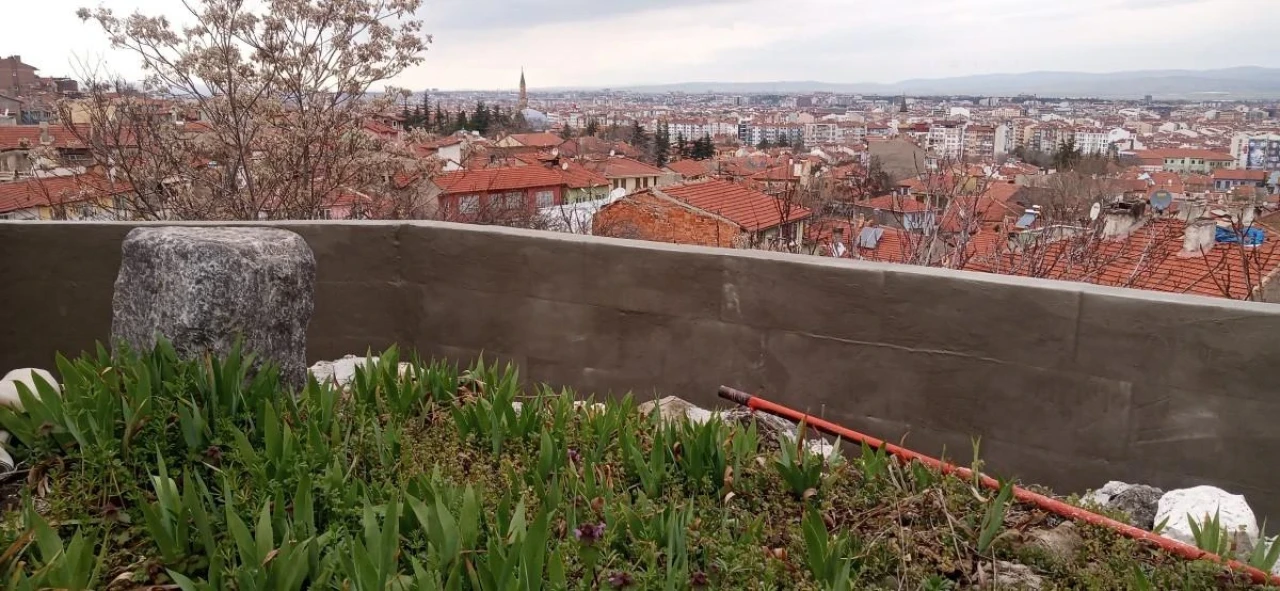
247 114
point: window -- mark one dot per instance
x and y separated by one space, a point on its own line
545 198
469 204
509 201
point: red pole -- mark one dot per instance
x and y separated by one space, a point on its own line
1048 504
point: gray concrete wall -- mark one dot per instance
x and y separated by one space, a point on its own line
1067 384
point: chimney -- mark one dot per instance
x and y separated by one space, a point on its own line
45 137
1121 219
1198 237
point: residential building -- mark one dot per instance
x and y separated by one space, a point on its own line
498 194
18 141
71 197
946 140
711 213
821 133
1189 160
980 141
526 142
16 77
625 173
691 170
1256 151
1225 179
1092 140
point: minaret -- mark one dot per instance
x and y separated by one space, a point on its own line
524 95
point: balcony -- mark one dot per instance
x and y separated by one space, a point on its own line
1068 385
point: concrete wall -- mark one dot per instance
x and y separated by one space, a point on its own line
1068 385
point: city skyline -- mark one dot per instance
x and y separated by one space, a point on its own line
573 43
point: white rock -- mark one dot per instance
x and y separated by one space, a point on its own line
674 407
1201 503
342 371
9 390
829 451
595 407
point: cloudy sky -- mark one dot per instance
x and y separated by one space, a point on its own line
481 44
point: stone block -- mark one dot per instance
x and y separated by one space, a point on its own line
202 288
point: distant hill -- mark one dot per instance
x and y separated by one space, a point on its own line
1248 82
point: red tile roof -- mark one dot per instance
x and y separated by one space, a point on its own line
537 140
576 176
1239 175
1150 258
45 192
690 168
1185 153
618 166
507 178
895 246
13 136
894 203
748 208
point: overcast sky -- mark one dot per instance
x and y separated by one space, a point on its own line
481 44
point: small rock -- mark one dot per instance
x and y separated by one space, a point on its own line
595 407
342 371
1101 496
772 429
1201 503
1009 575
829 451
1138 501
1061 543
674 408
9 395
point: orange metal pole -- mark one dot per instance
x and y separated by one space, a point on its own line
1048 504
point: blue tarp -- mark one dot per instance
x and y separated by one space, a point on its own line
1252 236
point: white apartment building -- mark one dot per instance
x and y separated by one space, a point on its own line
1092 140
946 140
1004 142
821 133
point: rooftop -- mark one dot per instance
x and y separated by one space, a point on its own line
746 207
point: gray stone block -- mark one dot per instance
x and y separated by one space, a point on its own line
202 288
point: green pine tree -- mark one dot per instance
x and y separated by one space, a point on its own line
461 122
764 144
592 127
681 149
662 146
480 118
441 123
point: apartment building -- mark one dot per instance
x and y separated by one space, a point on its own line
1256 151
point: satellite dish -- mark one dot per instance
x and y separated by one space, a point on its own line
1095 211
618 193
1161 200
564 166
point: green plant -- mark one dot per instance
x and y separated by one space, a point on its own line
937 583
875 464
1209 534
830 560
650 468
72 567
1265 553
993 517
702 456
800 469
1139 581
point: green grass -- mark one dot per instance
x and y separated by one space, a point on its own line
148 470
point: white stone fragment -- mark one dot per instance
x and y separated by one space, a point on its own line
1201 503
